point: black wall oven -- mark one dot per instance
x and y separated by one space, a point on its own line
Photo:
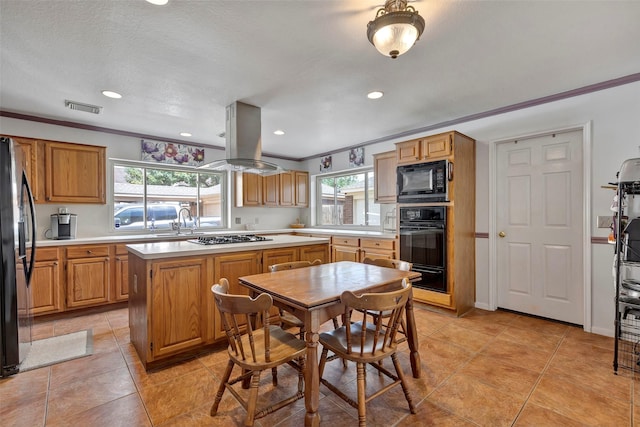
423 242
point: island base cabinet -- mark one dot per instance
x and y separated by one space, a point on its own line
179 295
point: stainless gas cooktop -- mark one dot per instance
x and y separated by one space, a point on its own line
222 240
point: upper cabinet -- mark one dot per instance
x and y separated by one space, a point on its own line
74 173
384 170
287 189
425 149
61 172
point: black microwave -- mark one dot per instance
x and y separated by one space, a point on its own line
424 182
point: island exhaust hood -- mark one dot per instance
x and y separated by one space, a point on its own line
243 142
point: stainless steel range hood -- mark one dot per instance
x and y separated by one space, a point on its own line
243 142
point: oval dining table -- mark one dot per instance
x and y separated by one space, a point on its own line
312 294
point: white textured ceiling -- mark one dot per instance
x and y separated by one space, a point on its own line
307 64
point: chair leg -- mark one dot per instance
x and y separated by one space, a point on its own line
362 404
221 388
323 360
274 376
253 399
400 375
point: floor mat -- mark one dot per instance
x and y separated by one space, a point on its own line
61 348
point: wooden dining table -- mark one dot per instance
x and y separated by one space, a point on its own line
312 294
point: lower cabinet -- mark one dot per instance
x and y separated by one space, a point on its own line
179 293
357 249
47 295
87 276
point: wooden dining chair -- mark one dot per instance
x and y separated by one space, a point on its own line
366 342
287 318
254 350
398 265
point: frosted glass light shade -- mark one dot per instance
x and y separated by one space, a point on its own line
395 32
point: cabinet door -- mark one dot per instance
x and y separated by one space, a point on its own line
287 189
248 189
277 256
302 188
74 173
179 295
87 281
437 146
312 253
270 190
30 163
122 277
408 152
45 288
231 267
384 169
345 253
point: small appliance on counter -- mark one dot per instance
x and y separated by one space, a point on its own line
63 225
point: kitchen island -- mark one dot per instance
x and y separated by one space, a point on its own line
172 312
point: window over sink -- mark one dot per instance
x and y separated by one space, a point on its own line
346 199
152 198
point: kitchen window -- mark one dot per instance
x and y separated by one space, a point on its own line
346 199
152 198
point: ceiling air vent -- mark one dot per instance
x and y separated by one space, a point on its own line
87 108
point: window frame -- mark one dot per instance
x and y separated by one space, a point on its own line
368 200
224 197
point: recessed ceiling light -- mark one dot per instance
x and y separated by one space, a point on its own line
375 94
185 134
111 94
158 2
278 132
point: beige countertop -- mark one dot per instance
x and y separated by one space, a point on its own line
161 237
158 250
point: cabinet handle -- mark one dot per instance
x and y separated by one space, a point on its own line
118 258
89 252
55 262
377 243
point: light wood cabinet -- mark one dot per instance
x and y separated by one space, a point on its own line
248 189
74 173
46 293
277 256
384 170
287 189
301 181
314 252
29 150
345 249
179 293
87 276
425 149
271 190
121 273
377 248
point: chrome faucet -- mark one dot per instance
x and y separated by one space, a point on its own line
183 218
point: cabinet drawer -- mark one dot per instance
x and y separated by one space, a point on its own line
46 254
345 241
87 251
388 245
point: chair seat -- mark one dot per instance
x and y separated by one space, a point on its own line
284 346
336 341
291 320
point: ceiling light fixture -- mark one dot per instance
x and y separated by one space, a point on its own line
278 132
111 94
158 2
185 134
395 28
376 94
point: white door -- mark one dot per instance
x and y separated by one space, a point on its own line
539 223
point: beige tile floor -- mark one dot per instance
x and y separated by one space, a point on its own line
484 369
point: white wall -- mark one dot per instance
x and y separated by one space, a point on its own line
615 117
96 220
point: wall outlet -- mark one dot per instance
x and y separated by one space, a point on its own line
605 221
238 220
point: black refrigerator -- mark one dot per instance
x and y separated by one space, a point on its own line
18 250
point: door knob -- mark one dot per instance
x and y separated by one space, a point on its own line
502 234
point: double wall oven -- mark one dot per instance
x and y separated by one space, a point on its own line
423 242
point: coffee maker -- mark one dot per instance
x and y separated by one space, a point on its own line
63 225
